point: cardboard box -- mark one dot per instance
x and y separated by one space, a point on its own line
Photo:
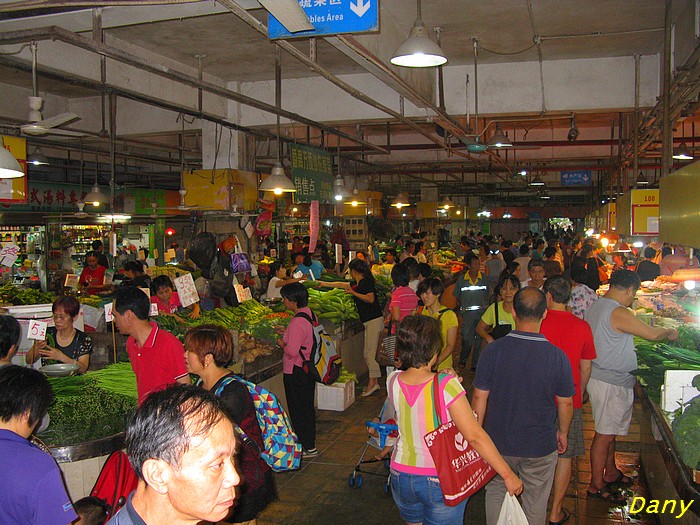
337 396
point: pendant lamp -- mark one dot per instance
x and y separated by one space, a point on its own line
418 50
9 167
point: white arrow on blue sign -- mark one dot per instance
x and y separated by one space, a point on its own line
331 17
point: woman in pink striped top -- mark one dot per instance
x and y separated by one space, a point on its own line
403 299
414 483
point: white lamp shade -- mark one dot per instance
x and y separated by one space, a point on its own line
278 182
95 197
9 167
418 50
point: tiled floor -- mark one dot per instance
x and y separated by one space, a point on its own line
319 493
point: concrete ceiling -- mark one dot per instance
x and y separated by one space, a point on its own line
506 31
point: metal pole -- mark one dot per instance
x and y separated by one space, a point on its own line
667 131
635 157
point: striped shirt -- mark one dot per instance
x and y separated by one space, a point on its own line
415 415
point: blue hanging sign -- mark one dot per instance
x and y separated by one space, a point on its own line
576 178
331 17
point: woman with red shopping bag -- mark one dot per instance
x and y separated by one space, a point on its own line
423 401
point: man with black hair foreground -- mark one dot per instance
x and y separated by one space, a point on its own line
9 339
181 446
157 357
611 385
31 488
572 335
518 379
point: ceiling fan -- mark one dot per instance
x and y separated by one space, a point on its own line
38 125
475 144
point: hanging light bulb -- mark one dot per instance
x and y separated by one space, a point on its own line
95 197
401 201
573 130
9 167
37 158
418 50
446 204
682 153
499 139
278 182
537 181
507 214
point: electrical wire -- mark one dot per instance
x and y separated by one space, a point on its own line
24 46
502 53
538 43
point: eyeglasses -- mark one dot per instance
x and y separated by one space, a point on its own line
61 317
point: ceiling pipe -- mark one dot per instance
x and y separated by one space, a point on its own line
68 37
667 123
355 93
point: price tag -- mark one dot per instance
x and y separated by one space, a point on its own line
249 229
147 291
186 290
9 254
352 255
108 313
240 292
37 330
311 275
154 310
71 281
296 275
109 276
339 253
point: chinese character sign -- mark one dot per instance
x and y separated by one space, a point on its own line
312 173
186 290
9 254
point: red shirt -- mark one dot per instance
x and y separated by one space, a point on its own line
574 337
169 308
92 278
158 363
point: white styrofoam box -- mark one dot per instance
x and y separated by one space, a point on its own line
337 396
677 389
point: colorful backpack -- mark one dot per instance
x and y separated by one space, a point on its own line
282 450
323 363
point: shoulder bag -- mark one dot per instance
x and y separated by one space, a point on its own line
386 346
461 470
500 330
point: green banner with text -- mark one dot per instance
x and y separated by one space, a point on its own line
312 173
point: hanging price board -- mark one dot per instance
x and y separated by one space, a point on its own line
37 330
9 254
186 290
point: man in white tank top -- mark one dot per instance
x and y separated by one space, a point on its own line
611 385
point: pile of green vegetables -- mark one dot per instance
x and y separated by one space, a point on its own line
334 305
686 430
655 358
91 406
18 296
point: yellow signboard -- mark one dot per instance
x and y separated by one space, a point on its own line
14 191
645 212
221 189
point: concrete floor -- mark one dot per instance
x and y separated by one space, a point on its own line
319 493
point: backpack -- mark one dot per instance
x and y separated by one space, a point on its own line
116 481
324 363
282 450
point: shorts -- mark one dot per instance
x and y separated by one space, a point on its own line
612 407
419 499
575 447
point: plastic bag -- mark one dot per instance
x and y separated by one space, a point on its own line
511 512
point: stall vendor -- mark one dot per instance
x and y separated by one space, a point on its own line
92 277
168 300
63 343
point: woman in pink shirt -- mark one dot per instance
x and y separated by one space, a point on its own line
403 299
299 386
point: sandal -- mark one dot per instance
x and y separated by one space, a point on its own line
567 515
621 479
608 494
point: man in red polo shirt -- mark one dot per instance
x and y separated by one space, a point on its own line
574 337
157 357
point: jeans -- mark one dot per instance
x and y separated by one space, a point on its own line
470 337
419 499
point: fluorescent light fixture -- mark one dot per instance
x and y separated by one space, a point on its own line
682 153
289 13
418 50
278 183
95 197
638 244
9 167
537 181
117 217
484 213
499 139
641 179
38 158
507 214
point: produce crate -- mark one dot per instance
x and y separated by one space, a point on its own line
338 396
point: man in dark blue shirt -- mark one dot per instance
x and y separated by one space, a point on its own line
517 382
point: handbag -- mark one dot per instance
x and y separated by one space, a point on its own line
386 349
461 470
500 330
239 260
